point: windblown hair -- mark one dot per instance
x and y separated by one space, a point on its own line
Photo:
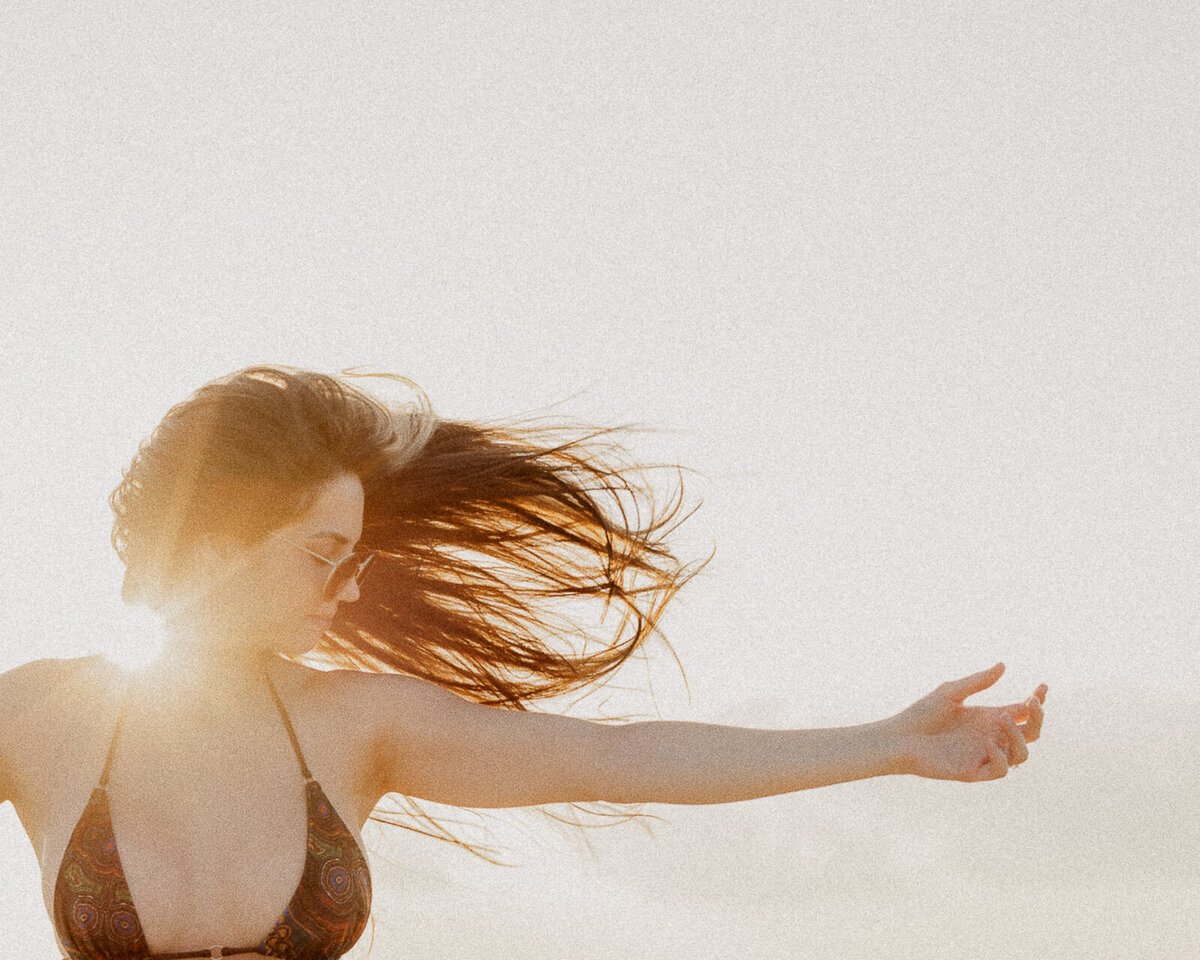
486 536
243 455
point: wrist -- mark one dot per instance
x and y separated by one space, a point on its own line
894 747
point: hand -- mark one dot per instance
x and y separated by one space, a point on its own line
938 737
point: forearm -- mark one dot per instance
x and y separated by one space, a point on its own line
678 762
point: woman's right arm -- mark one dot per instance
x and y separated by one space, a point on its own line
21 690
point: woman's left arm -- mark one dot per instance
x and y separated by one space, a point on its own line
434 745
938 737
681 762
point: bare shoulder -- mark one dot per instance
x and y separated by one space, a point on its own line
370 701
29 674
385 699
397 698
33 703
368 713
399 708
39 693
24 686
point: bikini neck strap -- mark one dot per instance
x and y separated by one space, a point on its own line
287 722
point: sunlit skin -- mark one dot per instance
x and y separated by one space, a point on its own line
940 737
245 605
389 733
252 603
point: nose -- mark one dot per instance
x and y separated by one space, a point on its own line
349 592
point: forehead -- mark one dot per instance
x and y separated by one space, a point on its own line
338 508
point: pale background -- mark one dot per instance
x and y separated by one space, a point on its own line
911 285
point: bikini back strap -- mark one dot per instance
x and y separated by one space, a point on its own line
287 722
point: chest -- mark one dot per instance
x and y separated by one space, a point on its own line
209 815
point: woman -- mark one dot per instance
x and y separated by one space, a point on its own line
279 513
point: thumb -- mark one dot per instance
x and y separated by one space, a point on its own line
959 690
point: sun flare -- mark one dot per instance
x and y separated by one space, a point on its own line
141 640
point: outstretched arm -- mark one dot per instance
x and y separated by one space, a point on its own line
434 745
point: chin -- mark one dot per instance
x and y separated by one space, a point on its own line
299 639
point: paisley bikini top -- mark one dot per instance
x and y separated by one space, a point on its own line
96 920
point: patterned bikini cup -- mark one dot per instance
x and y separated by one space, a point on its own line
96 919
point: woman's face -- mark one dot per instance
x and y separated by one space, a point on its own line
273 595
296 580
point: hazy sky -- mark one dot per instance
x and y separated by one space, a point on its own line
912 288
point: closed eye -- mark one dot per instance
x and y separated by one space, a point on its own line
328 537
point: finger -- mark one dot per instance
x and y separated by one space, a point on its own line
1017 751
1032 728
996 765
1026 709
959 690
1018 711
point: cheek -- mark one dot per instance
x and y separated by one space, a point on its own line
279 595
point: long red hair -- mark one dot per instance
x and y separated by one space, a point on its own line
487 536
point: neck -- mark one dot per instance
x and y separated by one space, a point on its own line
214 670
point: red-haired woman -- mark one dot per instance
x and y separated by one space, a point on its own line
279 516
